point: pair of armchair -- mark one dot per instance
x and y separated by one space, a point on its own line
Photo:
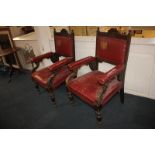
95 88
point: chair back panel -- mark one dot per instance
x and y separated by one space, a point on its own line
112 48
64 43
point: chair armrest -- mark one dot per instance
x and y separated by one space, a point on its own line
110 74
41 57
79 63
61 63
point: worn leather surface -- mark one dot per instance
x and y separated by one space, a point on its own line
90 86
111 49
110 74
87 87
41 76
64 46
60 63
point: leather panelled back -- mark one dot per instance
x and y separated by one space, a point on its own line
111 49
64 45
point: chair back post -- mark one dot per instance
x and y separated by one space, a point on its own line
73 42
127 55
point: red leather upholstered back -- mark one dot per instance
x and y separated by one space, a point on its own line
111 49
112 46
64 45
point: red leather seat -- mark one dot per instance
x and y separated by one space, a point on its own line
43 75
87 87
96 88
54 75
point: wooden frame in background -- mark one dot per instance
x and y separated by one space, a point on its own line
7 43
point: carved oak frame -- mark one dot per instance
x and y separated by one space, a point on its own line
54 58
94 66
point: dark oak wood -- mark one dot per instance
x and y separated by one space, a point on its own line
122 95
54 58
112 33
98 116
70 95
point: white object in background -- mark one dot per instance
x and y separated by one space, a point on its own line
83 70
105 67
61 57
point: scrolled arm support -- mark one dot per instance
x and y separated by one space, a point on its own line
73 75
50 80
93 65
100 94
37 64
55 68
111 74
36 60
105 80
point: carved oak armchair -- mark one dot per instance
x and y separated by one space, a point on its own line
96 88
53 76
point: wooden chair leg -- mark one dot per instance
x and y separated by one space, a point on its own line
70 97
37 88
99 117
122 95
52 98
11 73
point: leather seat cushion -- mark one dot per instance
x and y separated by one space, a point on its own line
41 77
87 87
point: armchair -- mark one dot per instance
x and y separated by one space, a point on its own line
96 88
51 77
